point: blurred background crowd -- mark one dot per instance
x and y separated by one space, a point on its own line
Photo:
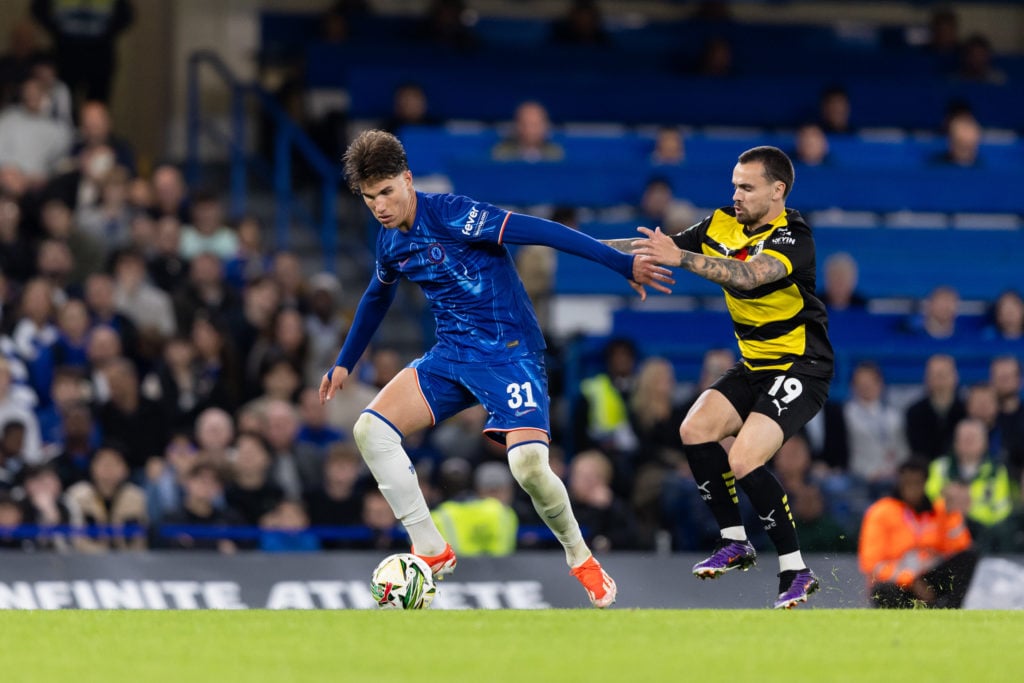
163 332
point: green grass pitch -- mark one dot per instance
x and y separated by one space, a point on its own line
534 646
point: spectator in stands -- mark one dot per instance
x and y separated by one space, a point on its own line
931 420
31 143
608 521
1007 318
314 431
165 477
109 503
104 347
811 146
669 147
601 415
937 319
385 364
446 23
286 269
11 517
325 324
87 254
12 459
218 362
840 293
169 193
149 307
295 469
963 141
982 403
44 507
409 108
215 434
976 62
260 300
100 297
70 348
175 382
207 232
385 532
483 523
286 529
846 499
15 247
875 430
582 24
34 332
16 64
986 484
109 220
530 139
85 36
655 415
338 501
834 111
131 418
79 436
167 268
205 292
13 408
250 491
96 129
659 207
284 338
67 388
56 94
536 267
819 531
204 490
249 261
1005 378
914 551
56 264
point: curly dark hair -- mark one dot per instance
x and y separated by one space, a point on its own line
777 165
373 156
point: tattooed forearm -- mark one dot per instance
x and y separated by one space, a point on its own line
623 245
742 275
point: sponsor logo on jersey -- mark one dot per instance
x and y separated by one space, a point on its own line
471 221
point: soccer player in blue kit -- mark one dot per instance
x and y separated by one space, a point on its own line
489 345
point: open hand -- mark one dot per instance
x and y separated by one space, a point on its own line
647 272
333 381
657 246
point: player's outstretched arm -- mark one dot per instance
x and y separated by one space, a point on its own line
741 275
522 229
373 305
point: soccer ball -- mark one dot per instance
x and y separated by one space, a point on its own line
403 581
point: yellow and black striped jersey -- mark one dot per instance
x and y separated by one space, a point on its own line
781 325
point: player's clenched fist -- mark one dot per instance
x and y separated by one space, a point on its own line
332 382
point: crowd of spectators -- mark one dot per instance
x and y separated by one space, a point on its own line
157 363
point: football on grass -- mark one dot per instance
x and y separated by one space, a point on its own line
403 581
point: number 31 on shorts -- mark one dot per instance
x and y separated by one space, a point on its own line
520 395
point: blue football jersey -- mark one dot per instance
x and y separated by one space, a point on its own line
453 252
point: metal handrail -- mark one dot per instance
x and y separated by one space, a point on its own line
287 136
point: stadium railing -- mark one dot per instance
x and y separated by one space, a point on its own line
288 138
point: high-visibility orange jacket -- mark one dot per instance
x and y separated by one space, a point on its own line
899 544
